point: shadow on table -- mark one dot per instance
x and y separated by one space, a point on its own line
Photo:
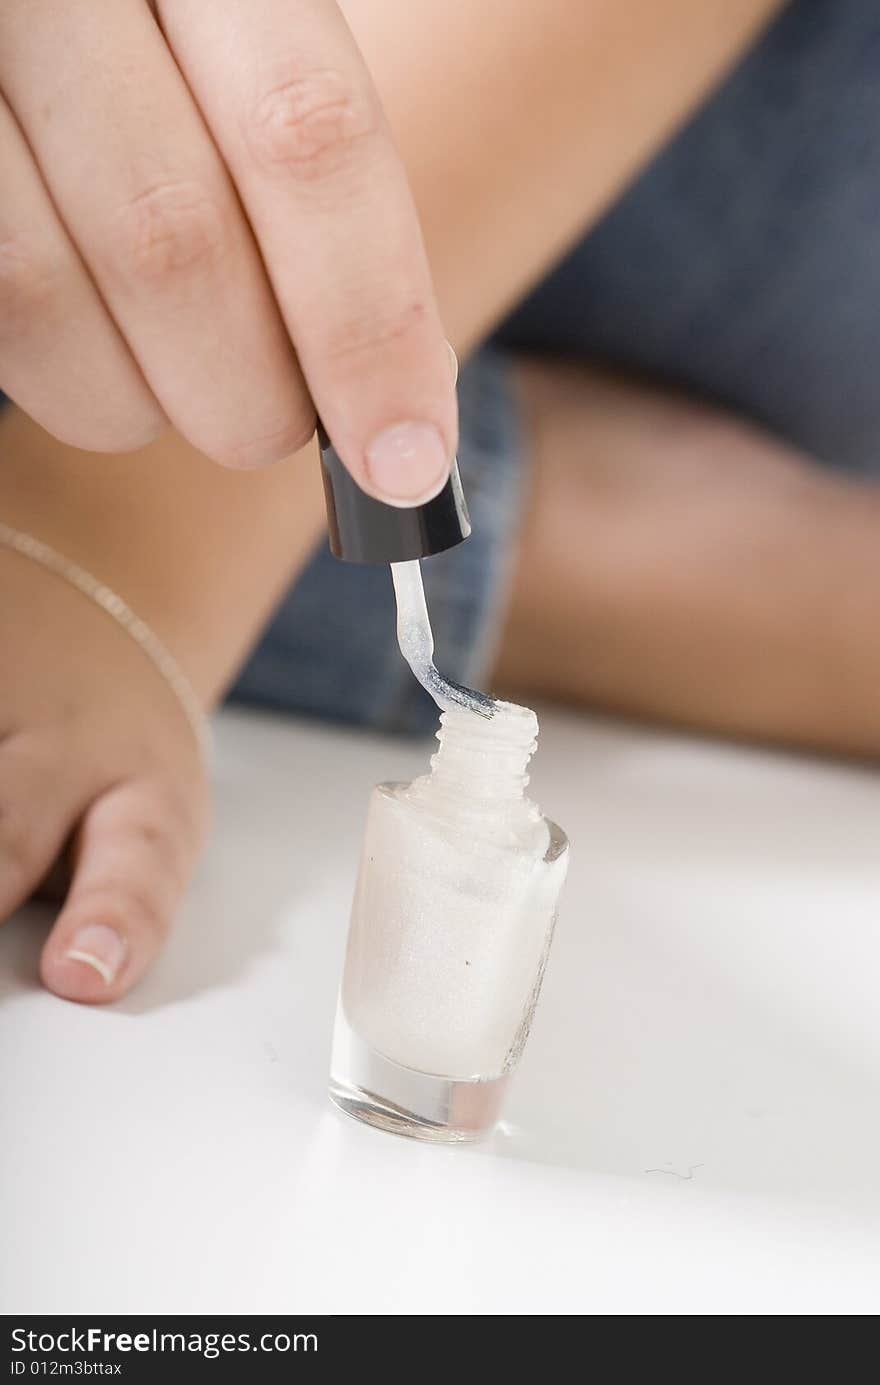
709 1017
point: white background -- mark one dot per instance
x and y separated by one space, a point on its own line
694 1128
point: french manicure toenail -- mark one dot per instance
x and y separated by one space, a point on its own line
100 947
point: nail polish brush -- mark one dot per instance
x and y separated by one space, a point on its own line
364 530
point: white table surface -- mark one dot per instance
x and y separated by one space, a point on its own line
694 1128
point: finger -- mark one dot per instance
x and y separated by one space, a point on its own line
293 109
150 206
133 857
39 804
61 356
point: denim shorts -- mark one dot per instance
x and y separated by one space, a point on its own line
743 265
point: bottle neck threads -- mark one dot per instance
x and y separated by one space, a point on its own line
484 760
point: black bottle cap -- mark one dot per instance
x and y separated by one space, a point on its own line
364 530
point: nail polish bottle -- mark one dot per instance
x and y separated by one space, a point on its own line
450 930
460 874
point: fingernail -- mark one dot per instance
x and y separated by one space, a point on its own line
99 946
407 464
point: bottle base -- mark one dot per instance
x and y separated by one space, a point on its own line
420 1105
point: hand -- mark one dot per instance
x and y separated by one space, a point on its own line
98 766
204 220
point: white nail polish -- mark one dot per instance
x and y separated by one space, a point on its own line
452 917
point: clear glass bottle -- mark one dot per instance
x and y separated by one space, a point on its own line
451 926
